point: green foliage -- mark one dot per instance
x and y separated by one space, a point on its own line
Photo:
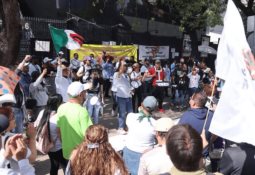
195 14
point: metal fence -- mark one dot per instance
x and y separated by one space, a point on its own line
36 28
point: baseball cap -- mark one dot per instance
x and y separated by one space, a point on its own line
4 123
157 62
61 53
46 60
27 63
150 103
75 88
163 124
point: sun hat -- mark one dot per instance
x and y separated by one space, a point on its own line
163 124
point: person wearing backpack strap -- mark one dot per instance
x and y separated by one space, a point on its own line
47 139
83 72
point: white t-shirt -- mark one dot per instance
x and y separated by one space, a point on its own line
193 80
134 75
62 84
38 92
85 70
122 85
141 135
155 161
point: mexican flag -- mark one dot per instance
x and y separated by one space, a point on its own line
65 38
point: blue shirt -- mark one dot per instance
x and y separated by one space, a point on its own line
25 81
108 70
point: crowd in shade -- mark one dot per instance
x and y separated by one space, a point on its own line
59 102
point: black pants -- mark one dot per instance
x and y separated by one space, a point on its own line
106 87
158 93
137 97
56 159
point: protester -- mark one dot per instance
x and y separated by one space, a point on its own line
14 149
49 79
167 71
147 78
141 133
108 71
184 146
75 63
123 93
18 108
193 81
156 161
95 95
136 83
33 66
72 118
114 96
95 155
83 71
157 74
38 91
22 71
182 87
62 80
48 115
196 115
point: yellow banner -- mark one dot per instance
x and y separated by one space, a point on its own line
115 51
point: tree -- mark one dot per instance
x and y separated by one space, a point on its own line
246 6
193 15
10 34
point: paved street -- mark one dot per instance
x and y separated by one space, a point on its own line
42 164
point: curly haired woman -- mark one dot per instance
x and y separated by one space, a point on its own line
95 155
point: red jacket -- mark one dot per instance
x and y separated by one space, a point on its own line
159 75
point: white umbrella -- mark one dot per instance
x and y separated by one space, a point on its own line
207 49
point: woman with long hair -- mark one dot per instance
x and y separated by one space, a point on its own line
49 115
95 155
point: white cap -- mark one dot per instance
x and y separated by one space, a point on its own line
46 60
27 63
75 88
61 53
163 124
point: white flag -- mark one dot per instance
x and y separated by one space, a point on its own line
234 118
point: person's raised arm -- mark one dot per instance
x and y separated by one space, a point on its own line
40 78
25 60
31 132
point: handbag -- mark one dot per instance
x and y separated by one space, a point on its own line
43 139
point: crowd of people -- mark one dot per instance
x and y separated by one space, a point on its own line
59 103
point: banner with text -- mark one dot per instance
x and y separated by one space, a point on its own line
115 51
154 52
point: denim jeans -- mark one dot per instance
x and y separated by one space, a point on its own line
125 107
181 97
192 91
93 110
19 119
131 160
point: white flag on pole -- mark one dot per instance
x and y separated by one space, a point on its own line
234 117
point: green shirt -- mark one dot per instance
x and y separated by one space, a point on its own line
73 120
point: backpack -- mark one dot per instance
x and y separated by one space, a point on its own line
43 139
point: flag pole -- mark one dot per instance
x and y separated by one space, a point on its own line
214 85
